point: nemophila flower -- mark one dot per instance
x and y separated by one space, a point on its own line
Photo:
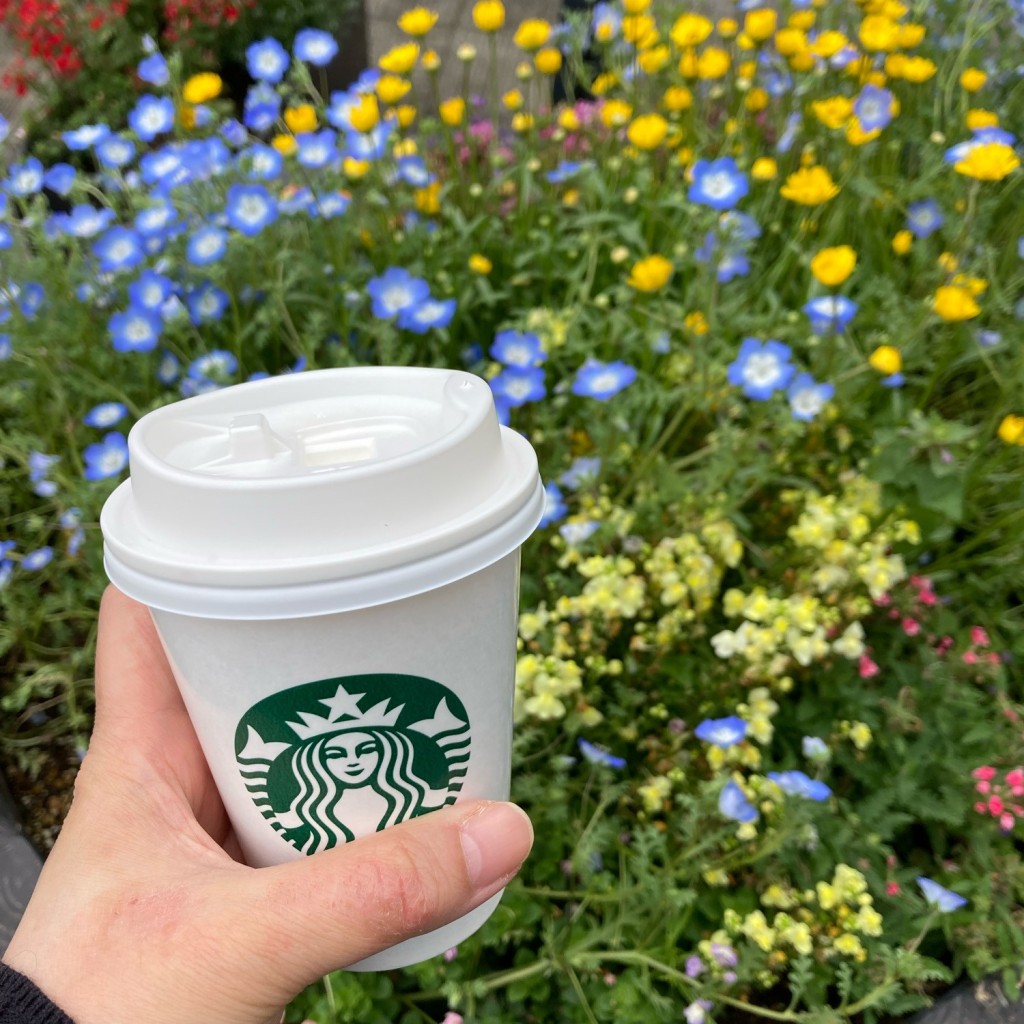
31 299
518 385
135 330
733 804
217 365
207 303
761 368
331 204
317 149
807 397
115 151
426 315
989 339
796 783
206 246
602 381
369 146
732 265
267 60
394 290
815 749
155 219
924 218
25 179
120 248
555 507
6 348
261 108
106 458
595 755
584 470
153 69
722 732
413 171
32 561
517 348
296 200
894 380
697 1011
151 116
106 414
161 166
315 47
577 531
59 178
809 186
718 183
168 369
150 290
234 134
567 169
830 313
250 208
874 108
85 137
942 899
263 162
650 274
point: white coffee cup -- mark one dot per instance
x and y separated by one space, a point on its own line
332 562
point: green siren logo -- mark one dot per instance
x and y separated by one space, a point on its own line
387 748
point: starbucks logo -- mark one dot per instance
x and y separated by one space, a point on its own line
328 761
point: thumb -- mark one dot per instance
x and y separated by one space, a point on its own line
334 908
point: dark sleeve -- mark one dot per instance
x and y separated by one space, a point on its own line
22 1003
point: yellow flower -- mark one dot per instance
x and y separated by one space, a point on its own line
948 262
427 198
488 15
187 116
616 113
365 114
635 6
604 82
727 27
834 111
400 60
953 302
354 168
757 99
764 169
879 33
789 41
405 114
886 360
392 88
654 793
918 69
828 44
480 264
431 60
901 242
301 118
640 29
978 118
911 35
647 131
860 735
712 63
760 24
810 186
532 34
650 274
512 100
548 61
989 161
856 136
833 266
418 21
453 111
654 59
803 19
975 285
696 322
676 98
202 87
466 52
688 64
690 30
850 945
568 119
284 144
1011 430
522 122
972 79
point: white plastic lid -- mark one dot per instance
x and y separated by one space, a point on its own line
322 479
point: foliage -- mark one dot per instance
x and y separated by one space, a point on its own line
757 304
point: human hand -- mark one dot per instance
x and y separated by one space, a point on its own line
145 912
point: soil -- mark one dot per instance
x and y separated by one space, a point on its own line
42 801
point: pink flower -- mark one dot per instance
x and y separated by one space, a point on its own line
894 613
1015 778
1006 822
883 600
927 597
984 787
451 1017
892 889
911 626
979 637
921 582
985 772
970 658
451 954
981 806
992 658
995 805
609 978
867 667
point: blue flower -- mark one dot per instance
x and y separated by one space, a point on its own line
595 379
119 249
150 290
369 146
796 783
895 380
168 369
721 732
106 414
267 60
578 531
39 464
135 330
234 133
106 458
333 204
518 385
517 348
873 108
807 397
217 365
85 137
718 183
155 220
5 128
733 804
153 69
732 265
6 238
250 208
830 313
989 339
6 348
85 221
262 161
207 303
413 171
566 169
300 200
37 559
941 899
317 149
739 227
428 314
25 179
262 107
554 507
924 218
115 151
151 116
815 748
31 299
394 290
206 246
315 47
340 108
584 470
595 755
59 178
761 368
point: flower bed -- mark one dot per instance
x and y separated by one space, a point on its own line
758 305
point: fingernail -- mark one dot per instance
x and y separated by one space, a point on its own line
495 842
